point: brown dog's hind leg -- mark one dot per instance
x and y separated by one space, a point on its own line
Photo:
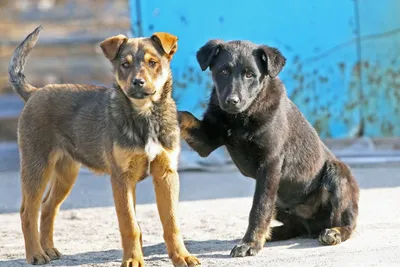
66 171
36 170
344 195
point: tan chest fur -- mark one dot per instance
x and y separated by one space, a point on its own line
137 161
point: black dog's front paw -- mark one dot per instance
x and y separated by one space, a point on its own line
246 249
185 117
180 116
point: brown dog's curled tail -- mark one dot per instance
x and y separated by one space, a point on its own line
17 64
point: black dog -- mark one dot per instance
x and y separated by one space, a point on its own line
298 180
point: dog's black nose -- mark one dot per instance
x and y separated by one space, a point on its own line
139 82
232 100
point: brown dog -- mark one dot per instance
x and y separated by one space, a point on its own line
127 132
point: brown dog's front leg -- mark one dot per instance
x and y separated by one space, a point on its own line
202 136
166 184
262 210
130 231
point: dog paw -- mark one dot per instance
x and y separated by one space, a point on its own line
185 261
330 237
246 249
186 120
182 115
38 259
53 253
133 262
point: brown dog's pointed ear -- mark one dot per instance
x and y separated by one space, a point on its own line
168 42
111 46
274 60
207 53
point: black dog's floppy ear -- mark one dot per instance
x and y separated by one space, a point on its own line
274 60
206 54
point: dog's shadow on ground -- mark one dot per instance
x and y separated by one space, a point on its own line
213 248
93 257
203 249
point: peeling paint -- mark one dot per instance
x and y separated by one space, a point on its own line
342 71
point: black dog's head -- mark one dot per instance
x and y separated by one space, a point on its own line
240 69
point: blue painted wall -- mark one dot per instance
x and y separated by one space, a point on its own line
335 64
380 66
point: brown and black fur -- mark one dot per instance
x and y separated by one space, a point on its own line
298 180
129 132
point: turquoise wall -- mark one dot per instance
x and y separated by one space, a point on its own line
343 56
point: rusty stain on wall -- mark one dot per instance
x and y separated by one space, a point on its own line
346 87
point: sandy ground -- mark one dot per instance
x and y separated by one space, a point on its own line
214 212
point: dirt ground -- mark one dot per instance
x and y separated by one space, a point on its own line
214 212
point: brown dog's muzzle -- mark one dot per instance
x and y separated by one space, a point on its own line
139 89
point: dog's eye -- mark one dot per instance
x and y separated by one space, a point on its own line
224 72
125 65
152 63
249 74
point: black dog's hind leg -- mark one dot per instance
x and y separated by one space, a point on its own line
293 226
344 195
202 136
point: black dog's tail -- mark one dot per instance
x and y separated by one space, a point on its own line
17 64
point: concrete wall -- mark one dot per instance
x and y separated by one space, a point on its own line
68 49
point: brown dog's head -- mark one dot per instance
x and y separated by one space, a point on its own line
141 65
